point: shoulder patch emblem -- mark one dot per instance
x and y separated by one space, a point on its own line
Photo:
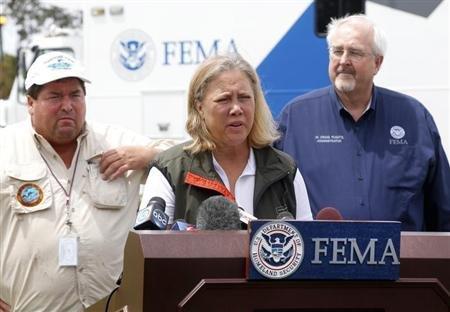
30 194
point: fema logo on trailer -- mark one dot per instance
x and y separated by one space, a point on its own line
133 55
276 250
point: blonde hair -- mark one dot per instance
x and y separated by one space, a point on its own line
264 130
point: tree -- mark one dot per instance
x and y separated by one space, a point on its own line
31 16
7 70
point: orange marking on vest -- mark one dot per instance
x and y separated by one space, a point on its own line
200 181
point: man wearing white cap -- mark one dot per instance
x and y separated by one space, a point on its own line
68 195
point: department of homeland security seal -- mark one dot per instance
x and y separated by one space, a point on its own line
133 55
30 195
276 250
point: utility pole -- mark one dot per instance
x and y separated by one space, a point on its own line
2 22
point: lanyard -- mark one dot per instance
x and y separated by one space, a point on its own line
66 192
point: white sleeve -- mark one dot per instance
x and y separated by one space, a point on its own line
301 198
157 185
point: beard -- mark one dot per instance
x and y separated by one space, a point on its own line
345 84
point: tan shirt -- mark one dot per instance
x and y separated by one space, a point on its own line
32 218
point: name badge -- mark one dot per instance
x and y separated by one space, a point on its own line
68 251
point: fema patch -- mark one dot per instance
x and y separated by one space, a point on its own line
30 195
277 250
133 55
397 132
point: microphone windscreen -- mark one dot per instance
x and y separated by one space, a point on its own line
218 213
158 201
329 213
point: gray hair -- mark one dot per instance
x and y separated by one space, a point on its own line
379 44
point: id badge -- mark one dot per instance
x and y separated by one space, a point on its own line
68 251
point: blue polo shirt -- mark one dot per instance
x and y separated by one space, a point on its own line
389 165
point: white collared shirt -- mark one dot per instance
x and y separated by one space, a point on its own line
102 214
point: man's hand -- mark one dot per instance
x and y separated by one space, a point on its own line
4 307
116 162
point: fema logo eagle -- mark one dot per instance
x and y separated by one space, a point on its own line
276 250
397 132
133 55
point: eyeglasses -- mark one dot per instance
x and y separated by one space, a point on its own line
352 54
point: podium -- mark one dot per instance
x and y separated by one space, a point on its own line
205 271
410 295
162 267
426 254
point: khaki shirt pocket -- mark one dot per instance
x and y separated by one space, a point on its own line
106 194
30 188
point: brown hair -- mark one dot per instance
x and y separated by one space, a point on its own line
35 89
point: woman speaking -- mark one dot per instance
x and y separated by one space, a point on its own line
230 153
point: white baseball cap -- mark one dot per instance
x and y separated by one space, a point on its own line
52 66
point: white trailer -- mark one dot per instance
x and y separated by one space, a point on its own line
140 55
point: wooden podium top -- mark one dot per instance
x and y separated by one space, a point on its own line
231 244
196 244
425 245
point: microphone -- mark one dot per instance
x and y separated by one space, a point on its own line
285 215
218 213
329 213
182 225
153 216
282 213
245 217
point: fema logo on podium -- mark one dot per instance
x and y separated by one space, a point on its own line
276 250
